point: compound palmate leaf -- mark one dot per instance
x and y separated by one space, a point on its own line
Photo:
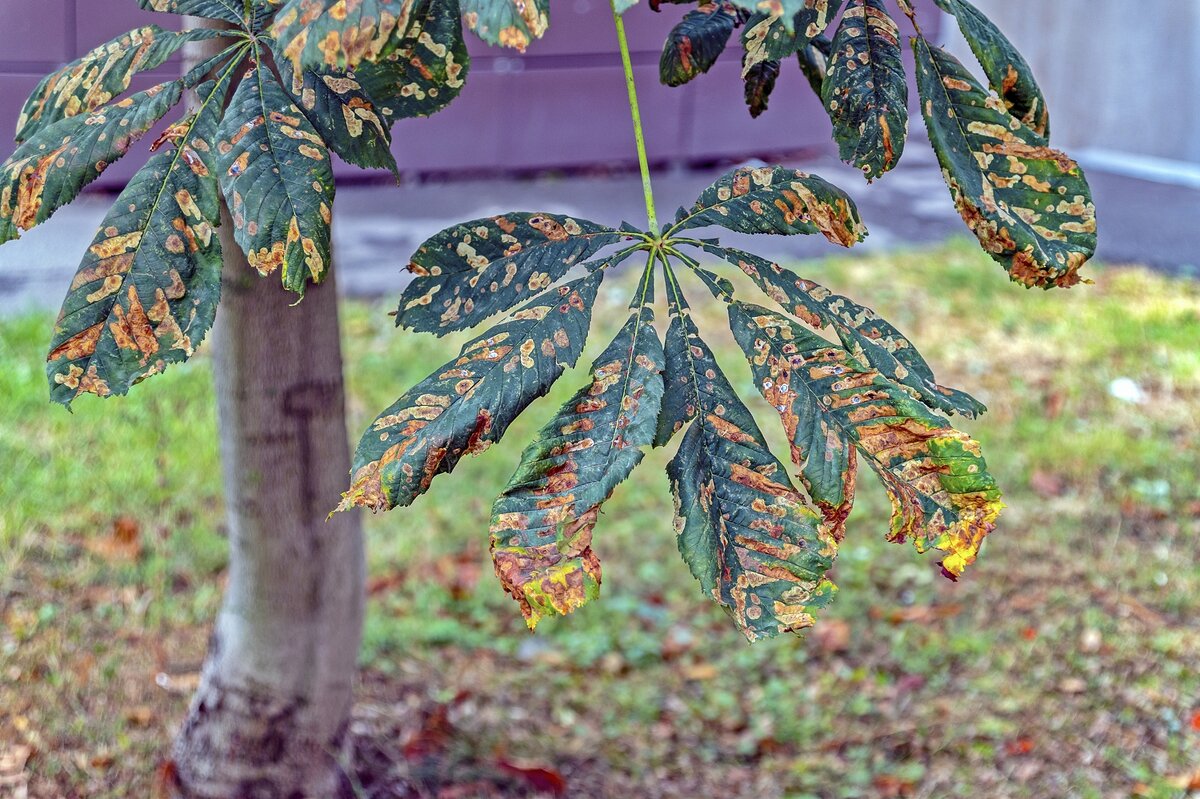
1007 71
147 290
427 69
775 200
340 34
52 167
694 45
468 403
277 180
542 524
942 494
508 23
745 532
871 339
866 91
97 77
471 271
1028 204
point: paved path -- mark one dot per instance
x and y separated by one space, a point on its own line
377 227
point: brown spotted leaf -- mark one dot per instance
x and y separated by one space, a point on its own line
694 45
871 339
467 404
340 34
774 36
508 23
745 532
1007 71
777 200
97 77
52 167
146 293
942 494
866 92
275 172
1028 204
542 524
427 69
759 83
474 270
343 114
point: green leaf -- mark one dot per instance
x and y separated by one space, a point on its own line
542 524
473 270
744 530
866 92
97 77
869 338
1007 71
1029 205
51 168
467 404
227 10
146 293
942 494
278 182
694 45
508 23
777 200
426 70
343 115
759 83
339 35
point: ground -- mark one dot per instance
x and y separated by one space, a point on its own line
1066 662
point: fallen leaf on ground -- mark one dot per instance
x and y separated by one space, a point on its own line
122 544
540 779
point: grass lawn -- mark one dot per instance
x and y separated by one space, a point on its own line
1066 663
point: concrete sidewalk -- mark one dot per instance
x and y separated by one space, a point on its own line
377 227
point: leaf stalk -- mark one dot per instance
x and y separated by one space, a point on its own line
635 113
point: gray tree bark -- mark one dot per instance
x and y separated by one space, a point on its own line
270 719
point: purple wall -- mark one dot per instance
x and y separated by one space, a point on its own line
560 104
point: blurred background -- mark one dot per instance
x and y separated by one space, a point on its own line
1065 664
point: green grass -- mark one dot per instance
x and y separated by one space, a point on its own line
1065 663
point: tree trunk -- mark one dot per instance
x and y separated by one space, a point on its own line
271 716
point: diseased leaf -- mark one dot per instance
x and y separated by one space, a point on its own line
227 10
542 524
467 404
760 82
773 36
744 530
866 92
426 70
1007 71
814 62
942 494
343 114
52 167
870 339
146 293
471 271
339 35
1029 205
694 45
97 77
775 200
508 23
805 18
275 172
